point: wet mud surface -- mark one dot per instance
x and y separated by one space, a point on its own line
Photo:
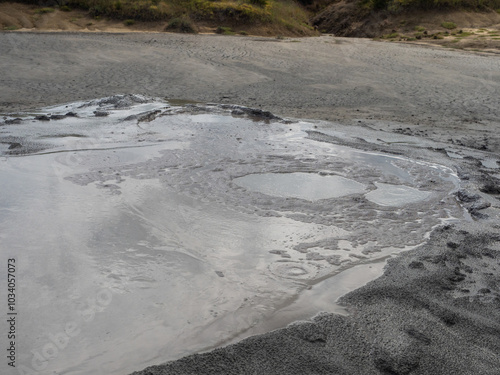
204 222
130 206
163 210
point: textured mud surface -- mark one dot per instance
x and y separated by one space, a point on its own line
419 125
161 208
434 311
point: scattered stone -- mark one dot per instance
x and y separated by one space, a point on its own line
15 145
473 203
416 265
15 121
481 205
237 112
148 116
466 196
101 113
219 273
57 117
491 187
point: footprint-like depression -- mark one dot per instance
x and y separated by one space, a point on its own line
155 230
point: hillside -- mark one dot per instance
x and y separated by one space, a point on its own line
466 24
457 26
258 17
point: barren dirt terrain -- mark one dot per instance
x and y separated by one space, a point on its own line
436 308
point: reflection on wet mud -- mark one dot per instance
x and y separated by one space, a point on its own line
202 223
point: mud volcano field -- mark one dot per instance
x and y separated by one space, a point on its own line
219 236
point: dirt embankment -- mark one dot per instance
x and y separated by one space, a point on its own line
15 16
450 28
23 17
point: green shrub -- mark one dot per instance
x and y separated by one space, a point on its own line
210 12
462 34
261 3
65 8
224 30
449 25
391 36
129 22
380 4
138 10
181 24
233 11
44 10
10 28
419 28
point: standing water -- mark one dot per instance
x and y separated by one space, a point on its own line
144 232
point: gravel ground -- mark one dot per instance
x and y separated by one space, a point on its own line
436 309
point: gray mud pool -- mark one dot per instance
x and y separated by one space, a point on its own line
146 231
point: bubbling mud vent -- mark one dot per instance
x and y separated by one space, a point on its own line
148 231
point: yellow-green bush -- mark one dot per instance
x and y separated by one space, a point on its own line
285 14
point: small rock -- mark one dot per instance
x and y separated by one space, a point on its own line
465 196
237 112
15 121
416 265
57 117
491 187
481 205
101 113
14 145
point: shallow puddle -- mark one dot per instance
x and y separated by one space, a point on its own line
396 195
160 231
307 186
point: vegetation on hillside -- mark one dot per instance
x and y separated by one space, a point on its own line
400 5
184 15
388 19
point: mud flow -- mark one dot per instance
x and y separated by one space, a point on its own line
148 231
